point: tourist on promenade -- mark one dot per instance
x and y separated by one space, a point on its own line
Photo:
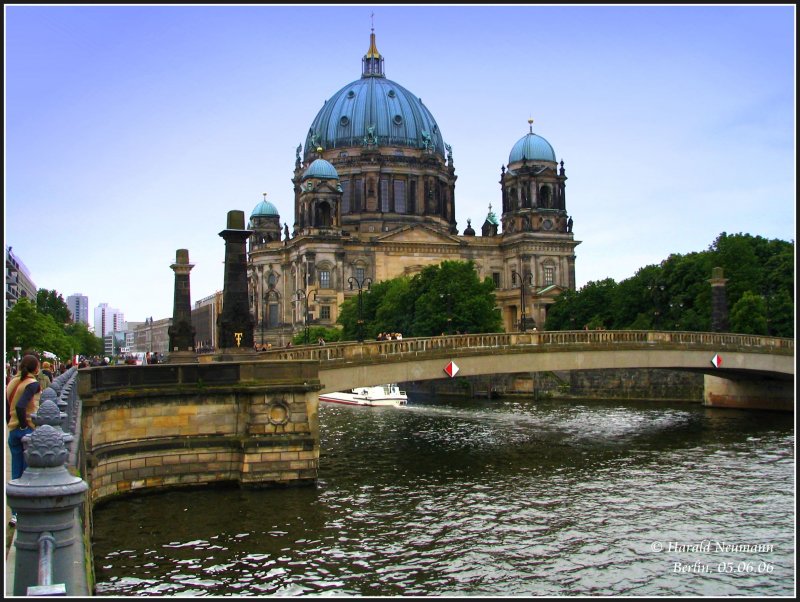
45 378
47 369
22 400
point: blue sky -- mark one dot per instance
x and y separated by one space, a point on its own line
131 131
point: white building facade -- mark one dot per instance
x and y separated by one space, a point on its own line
107 320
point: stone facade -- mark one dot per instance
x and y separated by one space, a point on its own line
261 430
654 384
375 198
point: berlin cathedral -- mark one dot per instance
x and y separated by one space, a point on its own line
374 199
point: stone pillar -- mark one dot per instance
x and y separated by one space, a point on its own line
181 333
236 322
45 499
719 303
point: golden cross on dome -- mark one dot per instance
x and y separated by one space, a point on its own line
530 124
265 195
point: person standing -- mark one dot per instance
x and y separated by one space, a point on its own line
45 377
22 400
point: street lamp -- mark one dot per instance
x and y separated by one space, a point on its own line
360 283
300 294
657 291
150 338
315 299
522 280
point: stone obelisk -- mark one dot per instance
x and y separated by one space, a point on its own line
181 333
235 323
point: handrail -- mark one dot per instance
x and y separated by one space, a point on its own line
520 341
51 531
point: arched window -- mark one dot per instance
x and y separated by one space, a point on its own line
546 197
323 217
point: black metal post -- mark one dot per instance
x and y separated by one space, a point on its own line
315 298
522 280
657 292
360 284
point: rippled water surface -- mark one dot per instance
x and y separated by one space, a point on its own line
508 497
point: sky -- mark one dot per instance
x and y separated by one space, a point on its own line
132 130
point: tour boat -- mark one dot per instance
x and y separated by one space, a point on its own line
380 395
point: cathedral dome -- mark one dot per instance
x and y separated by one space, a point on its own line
374 110
265 209
320 168
531 147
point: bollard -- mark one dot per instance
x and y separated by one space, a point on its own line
45 499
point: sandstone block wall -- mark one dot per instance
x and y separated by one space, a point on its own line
255 436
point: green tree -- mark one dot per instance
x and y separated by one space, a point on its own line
51 303
590 307
371 300
330 335
749 314
34 331
448 297
83 342
676 294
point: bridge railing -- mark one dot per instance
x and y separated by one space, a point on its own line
48 499
590 338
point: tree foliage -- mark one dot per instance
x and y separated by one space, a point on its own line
441 299
32 329
315 333
51 303
676 294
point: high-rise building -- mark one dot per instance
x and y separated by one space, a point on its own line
79 308
108 320
18 280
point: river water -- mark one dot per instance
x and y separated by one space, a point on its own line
509 497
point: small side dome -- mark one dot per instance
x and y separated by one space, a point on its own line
320 168
469 231
531 147
265 209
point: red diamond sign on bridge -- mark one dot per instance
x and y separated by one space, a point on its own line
716 361
451 369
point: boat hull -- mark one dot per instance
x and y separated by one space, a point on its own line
373 396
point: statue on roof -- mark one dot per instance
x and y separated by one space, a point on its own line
427 144
369 139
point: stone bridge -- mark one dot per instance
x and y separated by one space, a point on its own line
750 371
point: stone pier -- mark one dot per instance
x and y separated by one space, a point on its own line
173 425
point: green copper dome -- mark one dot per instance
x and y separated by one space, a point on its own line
374 111
532 148
265 209
320 168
